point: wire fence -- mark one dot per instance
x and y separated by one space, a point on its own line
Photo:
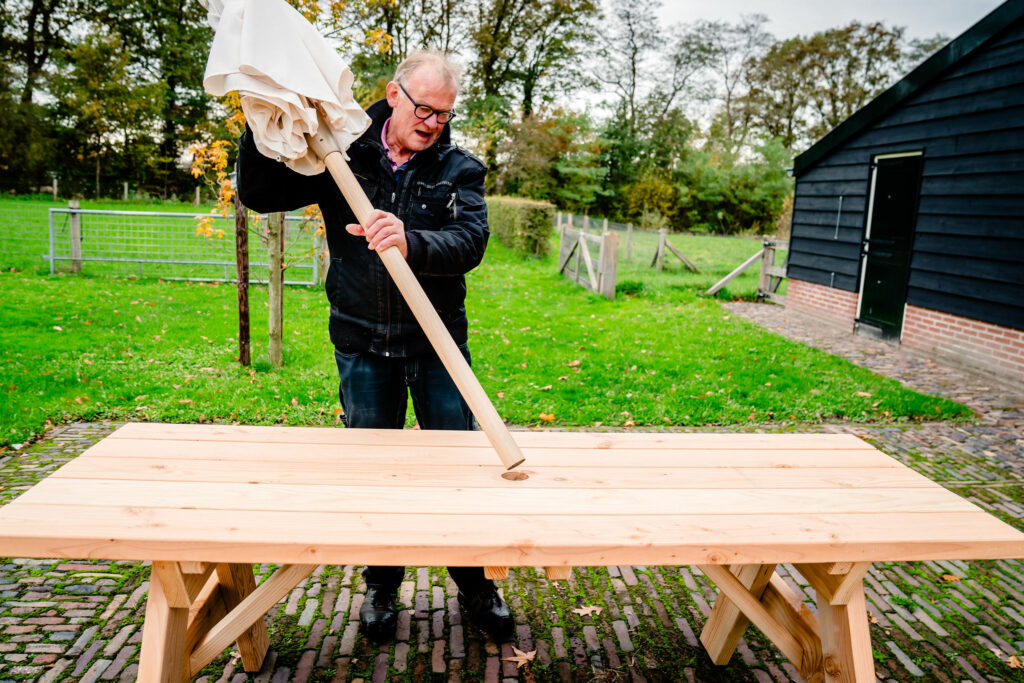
173 246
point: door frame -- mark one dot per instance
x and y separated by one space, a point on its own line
865 245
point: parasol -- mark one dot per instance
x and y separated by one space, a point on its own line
296 94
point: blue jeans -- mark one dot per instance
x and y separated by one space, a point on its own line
374 392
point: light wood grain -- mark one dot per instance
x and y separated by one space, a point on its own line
163 658
797 620
425 438
724 628
501 540
244 615
846 641
836 589
429 501
496 573
422 474
237 583
402 456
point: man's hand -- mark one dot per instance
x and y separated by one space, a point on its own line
385 230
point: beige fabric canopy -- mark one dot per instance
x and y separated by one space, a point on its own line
281 66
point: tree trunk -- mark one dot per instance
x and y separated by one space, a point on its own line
275 294
242 262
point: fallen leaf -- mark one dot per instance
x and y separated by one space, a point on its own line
58 328
521 658
295 401
185 400
871 618
573 364
1015 662
501 394
629 423
951 578
87 361
546 388
563 378
863 393
589 610
546 417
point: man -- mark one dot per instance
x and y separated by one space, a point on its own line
429 196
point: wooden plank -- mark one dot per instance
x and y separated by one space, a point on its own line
245 614
528 439
591 274
237 583
565 259
727 623
121 533
558 573
609 264
491 501
692 268
194 582
207 609
794 616
776 271
837 589
163 658
312 455
734 274
846 641
174 591
191 567
422 475
496 573
753 609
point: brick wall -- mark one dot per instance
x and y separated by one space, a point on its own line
993 349
836 305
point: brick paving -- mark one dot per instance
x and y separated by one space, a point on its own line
64 620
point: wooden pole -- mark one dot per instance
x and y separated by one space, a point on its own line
609 262
604 228
629 241
126 190
767 258
242 263
55 188
198 195
275 288
75 229
662 236
468 385
586 223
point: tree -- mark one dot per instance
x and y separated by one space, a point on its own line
625 55
779 92
849 66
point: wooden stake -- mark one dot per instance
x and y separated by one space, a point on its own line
629 241
451 357
275 294
75 229
242 264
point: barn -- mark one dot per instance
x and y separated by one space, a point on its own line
908 218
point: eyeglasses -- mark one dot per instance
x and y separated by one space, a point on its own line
424 112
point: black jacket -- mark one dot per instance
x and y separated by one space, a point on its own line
440 199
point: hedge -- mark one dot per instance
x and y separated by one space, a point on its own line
522 225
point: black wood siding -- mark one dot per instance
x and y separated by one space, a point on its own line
968 254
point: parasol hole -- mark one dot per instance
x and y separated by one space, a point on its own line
515 476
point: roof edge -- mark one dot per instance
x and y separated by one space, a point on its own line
928 71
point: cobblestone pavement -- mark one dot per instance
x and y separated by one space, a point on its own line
946 621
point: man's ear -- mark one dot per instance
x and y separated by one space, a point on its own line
391 92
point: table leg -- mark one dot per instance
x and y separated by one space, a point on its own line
725 626
163 658
845 640
237 583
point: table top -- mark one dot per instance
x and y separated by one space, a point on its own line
360 496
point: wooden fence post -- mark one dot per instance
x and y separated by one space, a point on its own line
767 258
659 257
275 287
604 228
242 265
608 264
75 229
54 188
126 190
629 241
586 223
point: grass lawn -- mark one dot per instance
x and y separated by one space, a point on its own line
546 351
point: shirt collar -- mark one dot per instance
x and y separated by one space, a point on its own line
387 150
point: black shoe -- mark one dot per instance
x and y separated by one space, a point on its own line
378 614
489 612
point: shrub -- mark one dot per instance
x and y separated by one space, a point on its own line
522 225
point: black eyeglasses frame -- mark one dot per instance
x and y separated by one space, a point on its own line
416 106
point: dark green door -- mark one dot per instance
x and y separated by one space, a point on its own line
887 247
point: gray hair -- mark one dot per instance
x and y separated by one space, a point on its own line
436 59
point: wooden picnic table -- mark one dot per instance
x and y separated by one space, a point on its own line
204 503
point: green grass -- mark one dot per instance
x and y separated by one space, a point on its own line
87 347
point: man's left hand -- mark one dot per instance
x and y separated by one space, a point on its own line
384 230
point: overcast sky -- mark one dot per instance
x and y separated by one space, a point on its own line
787 18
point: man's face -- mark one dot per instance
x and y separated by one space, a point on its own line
425 86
